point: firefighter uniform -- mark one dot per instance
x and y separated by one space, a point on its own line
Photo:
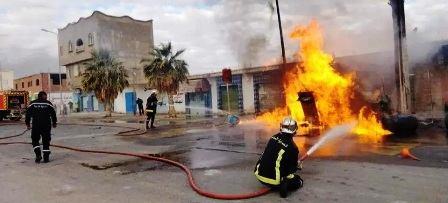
42 114
279 163
151 108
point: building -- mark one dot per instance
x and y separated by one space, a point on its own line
428 85
6 80
127 39
49 83
259 89
253 90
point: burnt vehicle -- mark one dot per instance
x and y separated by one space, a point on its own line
13 104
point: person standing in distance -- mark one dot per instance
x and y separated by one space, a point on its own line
43 116
151 107
140 106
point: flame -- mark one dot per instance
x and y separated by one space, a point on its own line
369 126
331 89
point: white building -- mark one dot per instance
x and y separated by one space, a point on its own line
6 80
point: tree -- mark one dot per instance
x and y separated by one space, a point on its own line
165 71
106 77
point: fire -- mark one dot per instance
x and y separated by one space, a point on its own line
369 126
331 89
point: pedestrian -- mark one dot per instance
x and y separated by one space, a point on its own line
43 116
278 164
151 107
140 106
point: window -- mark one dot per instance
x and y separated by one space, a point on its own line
61 51
23 85
37 82
90 39
30 83
17 87
70 46
79 42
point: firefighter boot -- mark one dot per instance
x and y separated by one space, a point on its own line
283 188
46 156
38 154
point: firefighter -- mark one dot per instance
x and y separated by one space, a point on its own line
140 106
43 116
278 164
151 107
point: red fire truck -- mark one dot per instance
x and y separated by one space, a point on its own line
13 104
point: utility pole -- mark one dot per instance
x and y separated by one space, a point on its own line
401 57
281 32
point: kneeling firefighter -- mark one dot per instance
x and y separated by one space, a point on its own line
278 164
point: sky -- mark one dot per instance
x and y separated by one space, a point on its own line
218 33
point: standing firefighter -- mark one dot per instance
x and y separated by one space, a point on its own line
140 106
43 116
151 107
278 164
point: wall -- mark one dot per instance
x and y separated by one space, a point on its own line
120 104
214 91
6 80
127 39
248 93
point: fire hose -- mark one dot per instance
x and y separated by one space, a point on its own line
187 171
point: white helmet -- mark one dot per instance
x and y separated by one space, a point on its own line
288 125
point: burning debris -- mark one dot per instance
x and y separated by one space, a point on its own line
317 93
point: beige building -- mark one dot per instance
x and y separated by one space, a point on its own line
48 82
127 39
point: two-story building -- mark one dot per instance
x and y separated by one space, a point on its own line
53 84
127 39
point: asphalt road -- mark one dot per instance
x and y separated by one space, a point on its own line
222 160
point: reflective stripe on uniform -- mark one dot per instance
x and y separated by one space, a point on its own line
36 147
41 104
275 181
46 150
290 176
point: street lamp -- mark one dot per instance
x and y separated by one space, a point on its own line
60 77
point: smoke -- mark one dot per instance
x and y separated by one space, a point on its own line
246 26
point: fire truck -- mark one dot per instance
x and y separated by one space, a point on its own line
13 104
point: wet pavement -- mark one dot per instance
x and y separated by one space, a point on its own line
222 158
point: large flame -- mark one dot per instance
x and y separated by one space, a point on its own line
331 89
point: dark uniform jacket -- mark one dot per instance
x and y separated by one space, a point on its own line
278 160
42 113
139 103
151 103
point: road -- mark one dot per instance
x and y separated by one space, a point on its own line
222 160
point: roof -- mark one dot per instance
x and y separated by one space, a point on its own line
239 71
106 15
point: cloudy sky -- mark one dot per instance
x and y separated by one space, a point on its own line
217 33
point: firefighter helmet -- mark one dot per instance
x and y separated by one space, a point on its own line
288 125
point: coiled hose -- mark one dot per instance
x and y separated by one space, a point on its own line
187 171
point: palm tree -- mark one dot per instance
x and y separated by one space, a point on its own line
106 77
164 72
